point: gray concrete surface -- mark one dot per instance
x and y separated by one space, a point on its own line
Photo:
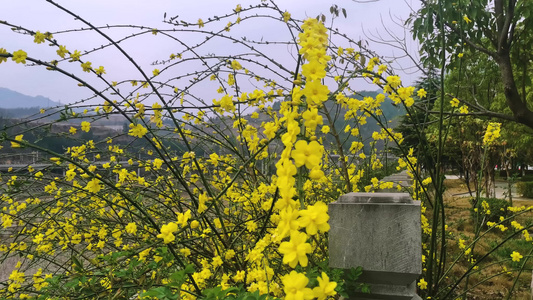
380 232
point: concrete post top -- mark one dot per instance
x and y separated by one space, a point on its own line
375 198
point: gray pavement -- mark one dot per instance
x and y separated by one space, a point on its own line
501 190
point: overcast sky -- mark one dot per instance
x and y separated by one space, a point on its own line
39 15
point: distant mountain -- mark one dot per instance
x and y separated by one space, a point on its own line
10 99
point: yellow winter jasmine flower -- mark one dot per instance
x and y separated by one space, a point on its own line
394 81
239 276
3 59
235 65
286 16
16 276
467 20
288 222
294 286
86 66
295 251
307 154
17 138
131 228
312 119
325 287
38 238
72 130
226 103
155 72
314 218
460 55
463 109
183 218
200 23
409 102
229 254
143 254
422 284
516 256
85 126
217 262
75 56
167 232
19 56
316 92
137 130
426 181
93 186
421 93
100 70
62 51
454 102
39 37
202 199
492 133
314 70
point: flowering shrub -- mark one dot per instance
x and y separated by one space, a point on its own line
192 198
199 198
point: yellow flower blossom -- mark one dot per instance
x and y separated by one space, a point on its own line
75 56
308 154
421 93
62 51
455 102
19 56
93 186
39 37
131 228
137 130
167 232
86 66
314 70
17 138
85 126
100 70
325 287
516 256
314 218
422 284
235 65
492 133
295 286
286 16
295 251
312 119
3 59
316 92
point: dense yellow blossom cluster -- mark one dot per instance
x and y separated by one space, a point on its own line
229 195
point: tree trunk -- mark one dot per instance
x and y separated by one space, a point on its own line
519 108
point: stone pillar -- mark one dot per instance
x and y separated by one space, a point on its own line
380 232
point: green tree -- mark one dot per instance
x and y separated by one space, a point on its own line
495 31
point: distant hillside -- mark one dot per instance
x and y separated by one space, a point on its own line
10 99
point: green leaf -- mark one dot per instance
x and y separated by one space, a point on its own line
161 292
